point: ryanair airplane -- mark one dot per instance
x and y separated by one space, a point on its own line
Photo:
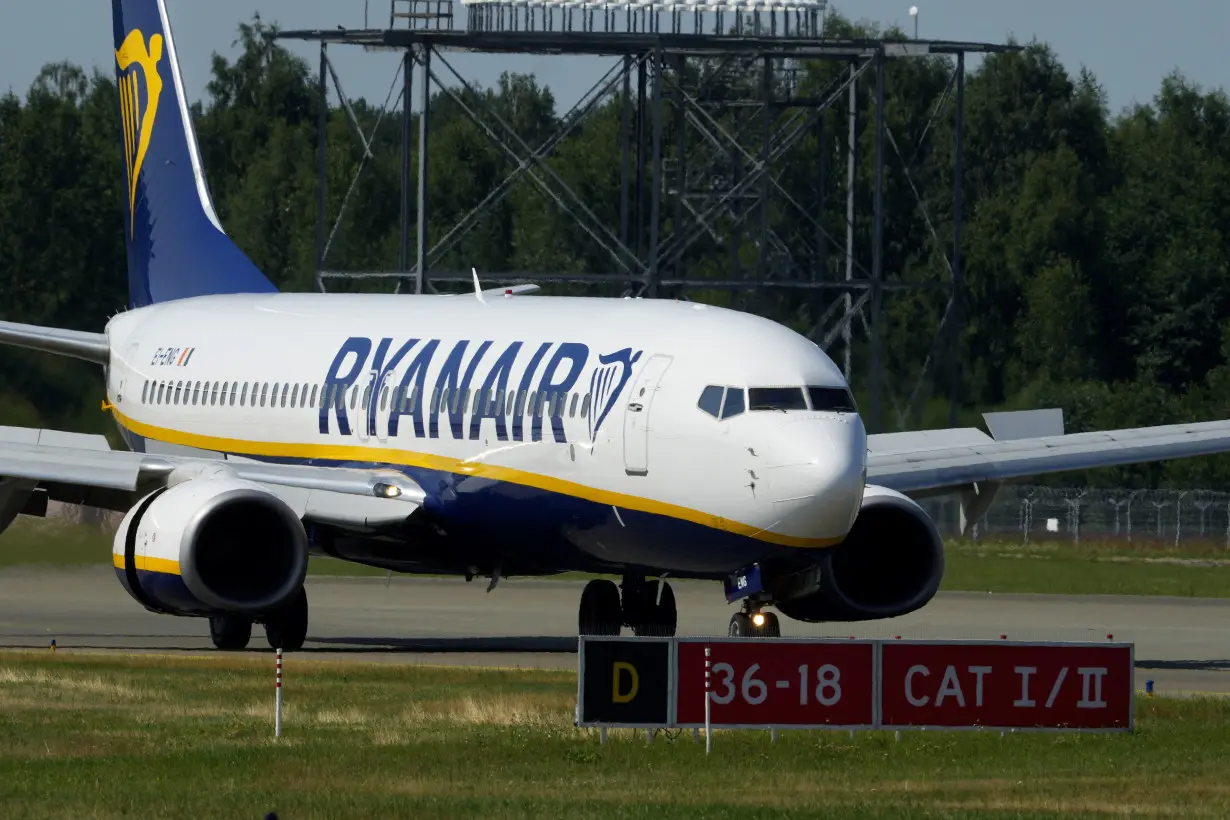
488 434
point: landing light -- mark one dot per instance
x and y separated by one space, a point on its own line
387 490
758 619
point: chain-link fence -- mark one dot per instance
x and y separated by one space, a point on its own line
1155 517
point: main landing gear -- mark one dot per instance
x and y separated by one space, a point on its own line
285 629
753 623
646 606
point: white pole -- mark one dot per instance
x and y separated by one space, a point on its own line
277 724
708 731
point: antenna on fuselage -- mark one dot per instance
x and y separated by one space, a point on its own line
478 289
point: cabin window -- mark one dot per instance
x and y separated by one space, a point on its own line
561 403
303 395
285 391
179 391
542 399
530 402
243 397
508 404
213 395
572 409
733 405
144 392
414 397
831 399
196 394
520 408
585 406
367 395
776 398
711 400
384 397
294 396
312 403
265 392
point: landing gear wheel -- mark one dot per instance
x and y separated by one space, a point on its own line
662 618
771 628
287 629
600 612
740 626
229 632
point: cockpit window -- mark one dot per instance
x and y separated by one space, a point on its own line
733 405
711 400
831 399
776 398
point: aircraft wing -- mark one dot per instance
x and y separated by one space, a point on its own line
968 461
83 469
92 347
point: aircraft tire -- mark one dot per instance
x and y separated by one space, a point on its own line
287 629
772 627
662 617
600 612
740 626
230 633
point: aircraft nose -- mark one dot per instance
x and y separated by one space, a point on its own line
817 484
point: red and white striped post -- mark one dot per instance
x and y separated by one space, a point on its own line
277 721
708 732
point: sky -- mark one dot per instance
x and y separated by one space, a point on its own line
1129 45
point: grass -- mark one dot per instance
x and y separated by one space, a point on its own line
1194 569
1100 568
106 736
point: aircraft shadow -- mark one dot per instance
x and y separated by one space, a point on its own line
512 644
1188 665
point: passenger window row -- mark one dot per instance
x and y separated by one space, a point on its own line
542 404
724 402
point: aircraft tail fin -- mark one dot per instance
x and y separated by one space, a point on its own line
176 246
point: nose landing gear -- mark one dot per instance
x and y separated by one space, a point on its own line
754 623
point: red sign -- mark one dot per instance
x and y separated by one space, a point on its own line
768 682
1006 685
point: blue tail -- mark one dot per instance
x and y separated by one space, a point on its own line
176 245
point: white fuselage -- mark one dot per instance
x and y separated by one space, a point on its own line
581 414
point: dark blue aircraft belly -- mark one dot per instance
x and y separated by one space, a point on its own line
565 533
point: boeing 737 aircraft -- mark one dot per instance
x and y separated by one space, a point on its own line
488 434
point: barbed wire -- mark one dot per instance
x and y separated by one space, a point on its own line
1154 517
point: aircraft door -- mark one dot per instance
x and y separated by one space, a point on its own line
364 412
122 371
636 415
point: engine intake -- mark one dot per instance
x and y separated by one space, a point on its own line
890 564
209 546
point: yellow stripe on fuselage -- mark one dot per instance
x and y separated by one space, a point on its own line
388 455
163 565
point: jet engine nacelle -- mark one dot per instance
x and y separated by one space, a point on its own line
890 564
14 493
211 545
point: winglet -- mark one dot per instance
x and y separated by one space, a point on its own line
478 289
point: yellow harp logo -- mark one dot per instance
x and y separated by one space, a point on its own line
138 110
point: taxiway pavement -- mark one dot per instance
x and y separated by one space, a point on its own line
1182 644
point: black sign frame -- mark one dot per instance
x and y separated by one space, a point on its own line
672 659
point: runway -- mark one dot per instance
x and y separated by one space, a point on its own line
1182 644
